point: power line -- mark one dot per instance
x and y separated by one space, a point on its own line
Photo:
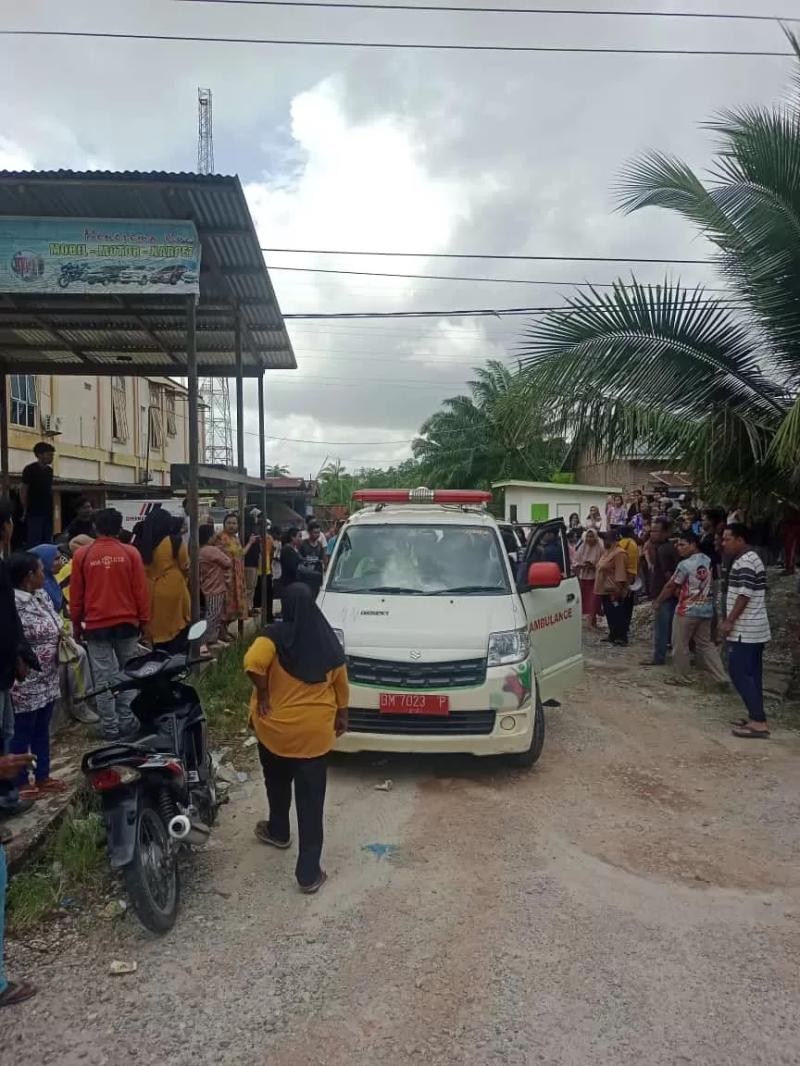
457 277
344 443
489 255
724 16
471 312
417 45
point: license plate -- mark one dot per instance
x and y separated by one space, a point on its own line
413 703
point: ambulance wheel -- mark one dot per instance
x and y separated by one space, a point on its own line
526 759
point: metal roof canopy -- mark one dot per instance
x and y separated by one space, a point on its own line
142 335
234 329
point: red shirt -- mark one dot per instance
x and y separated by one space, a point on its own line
108 586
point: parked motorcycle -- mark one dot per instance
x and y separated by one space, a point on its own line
159 791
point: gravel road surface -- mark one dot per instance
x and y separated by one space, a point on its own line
633 900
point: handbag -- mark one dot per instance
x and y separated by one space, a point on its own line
68 650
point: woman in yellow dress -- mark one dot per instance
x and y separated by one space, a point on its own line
166 563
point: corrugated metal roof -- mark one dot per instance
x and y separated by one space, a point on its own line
102 334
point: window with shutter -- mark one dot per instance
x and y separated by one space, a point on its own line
156 419
119 410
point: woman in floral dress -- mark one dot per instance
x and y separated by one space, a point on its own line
34 698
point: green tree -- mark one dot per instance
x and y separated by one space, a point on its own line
712 381
496 433
277 471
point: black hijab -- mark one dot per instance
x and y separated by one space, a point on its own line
307 647
157 526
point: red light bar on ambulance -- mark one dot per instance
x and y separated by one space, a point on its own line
422 495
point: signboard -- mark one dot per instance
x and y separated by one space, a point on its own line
95 255
135 511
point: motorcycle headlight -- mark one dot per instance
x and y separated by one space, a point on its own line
511 646
340 636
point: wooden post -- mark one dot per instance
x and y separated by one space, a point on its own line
240 440
262 451
4 481
194 455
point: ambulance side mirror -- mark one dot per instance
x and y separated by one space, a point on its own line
544 576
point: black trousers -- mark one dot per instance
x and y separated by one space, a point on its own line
310 778
270 596
617 618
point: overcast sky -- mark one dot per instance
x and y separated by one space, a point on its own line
399 150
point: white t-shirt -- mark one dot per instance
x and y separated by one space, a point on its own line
748 577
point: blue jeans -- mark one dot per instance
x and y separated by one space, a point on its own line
662 630
3 882
32 734
745 665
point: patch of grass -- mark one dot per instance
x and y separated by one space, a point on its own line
224 690
73 857
32 894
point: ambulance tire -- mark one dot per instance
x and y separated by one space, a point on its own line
526 759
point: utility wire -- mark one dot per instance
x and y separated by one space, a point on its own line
488 255
721 15
418 45
459 277
476 312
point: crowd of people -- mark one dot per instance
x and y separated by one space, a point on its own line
705 582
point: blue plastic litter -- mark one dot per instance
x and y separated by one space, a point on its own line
380 851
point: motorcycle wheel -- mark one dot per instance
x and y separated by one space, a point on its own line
63 281
151 878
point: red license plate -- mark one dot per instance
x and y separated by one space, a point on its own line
413 703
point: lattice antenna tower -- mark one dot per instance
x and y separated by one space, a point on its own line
214 392
205 134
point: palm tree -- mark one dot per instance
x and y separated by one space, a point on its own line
277 471
712 381
493 434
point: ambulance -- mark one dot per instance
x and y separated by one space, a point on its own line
452 644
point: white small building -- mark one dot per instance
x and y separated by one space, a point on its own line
538 501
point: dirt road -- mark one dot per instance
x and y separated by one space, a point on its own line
635 899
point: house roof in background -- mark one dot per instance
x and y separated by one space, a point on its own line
145 334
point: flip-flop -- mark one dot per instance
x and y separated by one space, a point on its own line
740 722
263 834
746 732
315 886
16 992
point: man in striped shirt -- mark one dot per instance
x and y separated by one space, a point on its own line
746 629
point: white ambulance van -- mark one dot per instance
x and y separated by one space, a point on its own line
451 646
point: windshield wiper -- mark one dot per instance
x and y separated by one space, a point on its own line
390 590
468 590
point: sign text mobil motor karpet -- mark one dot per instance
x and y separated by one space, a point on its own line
85 255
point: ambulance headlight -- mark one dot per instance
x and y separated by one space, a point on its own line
511 646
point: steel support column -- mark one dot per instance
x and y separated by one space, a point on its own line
192 508
240 440
4 482
262 452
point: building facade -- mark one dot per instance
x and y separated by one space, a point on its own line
113 436
539 501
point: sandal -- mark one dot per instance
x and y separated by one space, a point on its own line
263 834
52 784
30 792
746 732
16 992
315 886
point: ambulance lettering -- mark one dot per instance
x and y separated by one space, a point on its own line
551 619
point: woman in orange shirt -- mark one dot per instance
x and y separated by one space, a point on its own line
298 707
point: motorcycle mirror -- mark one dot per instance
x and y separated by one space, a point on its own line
197 630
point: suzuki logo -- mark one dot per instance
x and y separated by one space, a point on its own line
416 655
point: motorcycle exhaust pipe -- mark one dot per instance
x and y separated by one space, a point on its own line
185 831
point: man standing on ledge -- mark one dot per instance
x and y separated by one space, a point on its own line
36 495
746 629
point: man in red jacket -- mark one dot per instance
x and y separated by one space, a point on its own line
110 605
